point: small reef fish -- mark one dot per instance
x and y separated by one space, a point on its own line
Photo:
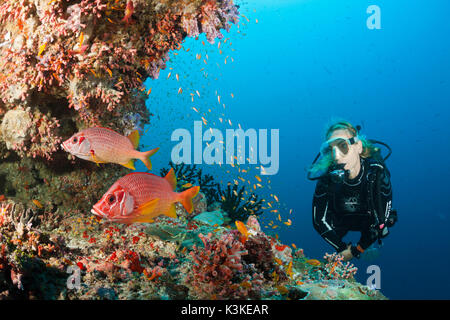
313 262
141 197
242 229
38 204
289 270
42 48
128 12
102 145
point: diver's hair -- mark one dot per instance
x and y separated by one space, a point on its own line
368 151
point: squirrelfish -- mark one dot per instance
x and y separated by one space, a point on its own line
141 197
102 145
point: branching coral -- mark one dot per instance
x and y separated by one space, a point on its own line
335 268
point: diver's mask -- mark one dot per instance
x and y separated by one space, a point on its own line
337 172
342 144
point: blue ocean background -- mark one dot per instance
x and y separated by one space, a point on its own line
294 65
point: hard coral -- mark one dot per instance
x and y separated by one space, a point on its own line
335 268
23 272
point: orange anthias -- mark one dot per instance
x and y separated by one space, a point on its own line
313 262
128 12
141 197
242 229
103 145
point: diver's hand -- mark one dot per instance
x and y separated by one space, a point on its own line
347 253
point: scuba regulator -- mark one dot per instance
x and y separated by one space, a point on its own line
338 174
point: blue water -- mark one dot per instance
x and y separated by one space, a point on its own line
303 63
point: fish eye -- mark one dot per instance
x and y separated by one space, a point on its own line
75 140
111 198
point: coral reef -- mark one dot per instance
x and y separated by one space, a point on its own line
262 256
218 270
67 65
41 258
86 56
23 272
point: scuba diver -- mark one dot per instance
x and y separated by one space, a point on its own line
353 192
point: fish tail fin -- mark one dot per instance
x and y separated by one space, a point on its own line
145 157
186 198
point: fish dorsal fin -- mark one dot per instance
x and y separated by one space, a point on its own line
171 178
147 208
172 212
134 138
129 164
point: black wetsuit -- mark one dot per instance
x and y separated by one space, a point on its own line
342 207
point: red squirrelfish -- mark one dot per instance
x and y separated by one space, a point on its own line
128 12
141 197
102 145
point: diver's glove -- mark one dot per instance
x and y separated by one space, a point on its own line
392 219
356 251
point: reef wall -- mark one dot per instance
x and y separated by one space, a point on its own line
71 64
